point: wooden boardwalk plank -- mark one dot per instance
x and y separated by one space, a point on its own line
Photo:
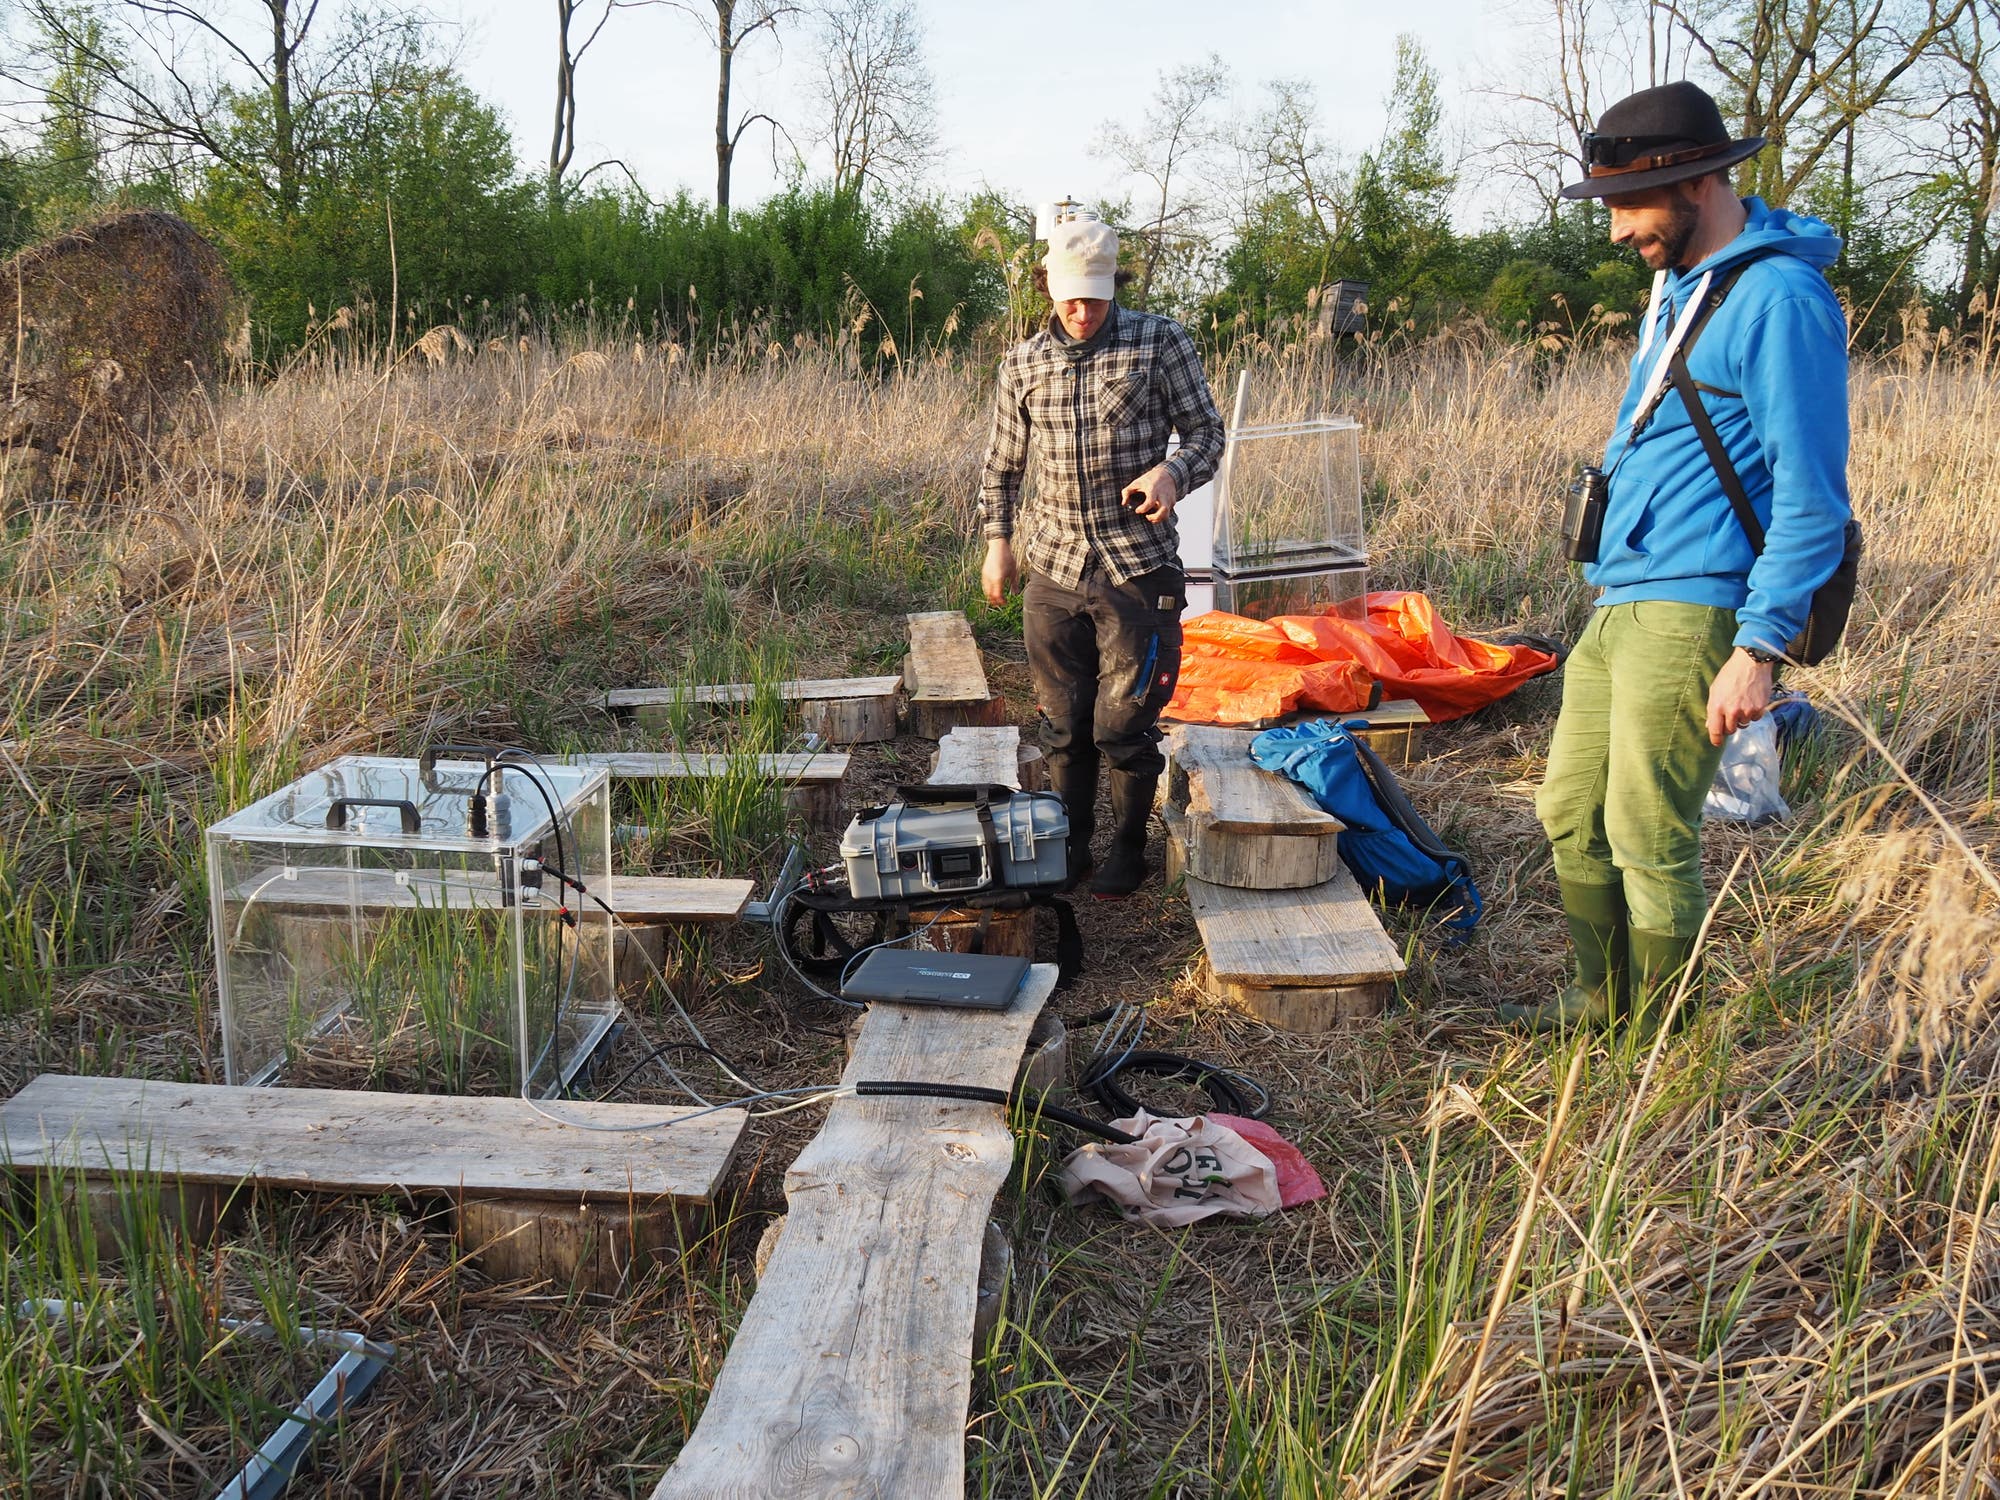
666 898
797 690
347 1140
851 1371
944 663
1230 793
636 898
679 765
1319 935
979 756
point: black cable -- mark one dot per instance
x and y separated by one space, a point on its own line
660 1049
548 799
1231 1092
563 877
974 1094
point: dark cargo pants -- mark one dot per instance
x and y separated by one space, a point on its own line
1105 658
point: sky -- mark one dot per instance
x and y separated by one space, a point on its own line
1023 85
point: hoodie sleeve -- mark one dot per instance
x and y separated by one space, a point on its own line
1794 374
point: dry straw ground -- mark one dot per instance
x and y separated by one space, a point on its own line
1755 1259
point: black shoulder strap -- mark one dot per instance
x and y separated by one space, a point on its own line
1711 440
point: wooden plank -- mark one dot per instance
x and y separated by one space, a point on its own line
1230 793
796 690
977 756
1396 713
812 781
677 765
944 664
666 898
637 898
348 1140
851 1371
1321 935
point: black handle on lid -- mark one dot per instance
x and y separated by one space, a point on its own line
428 757
336 814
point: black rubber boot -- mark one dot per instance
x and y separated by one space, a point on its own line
1074 779
1124 869
1659 959
1599 991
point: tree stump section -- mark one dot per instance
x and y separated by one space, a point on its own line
968 930
588 1247
850 721
1302 1007
1240 825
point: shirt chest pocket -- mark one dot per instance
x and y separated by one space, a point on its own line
1122 396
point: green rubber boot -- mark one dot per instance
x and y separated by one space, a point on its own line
1598 992
1658 961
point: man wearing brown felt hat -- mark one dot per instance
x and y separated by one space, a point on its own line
1739 381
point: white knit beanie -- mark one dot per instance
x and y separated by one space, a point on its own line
1082 261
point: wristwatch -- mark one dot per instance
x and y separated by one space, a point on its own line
1766 658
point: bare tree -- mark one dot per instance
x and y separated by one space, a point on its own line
1577 56
1804 73
1288 154
1165 152
562 143
730 24
1954 144
166 82
878 115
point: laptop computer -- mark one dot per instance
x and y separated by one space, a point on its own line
981 981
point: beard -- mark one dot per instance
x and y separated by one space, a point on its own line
1669 247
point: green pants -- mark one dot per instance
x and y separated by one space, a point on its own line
1630 763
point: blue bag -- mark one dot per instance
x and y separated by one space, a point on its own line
1392 851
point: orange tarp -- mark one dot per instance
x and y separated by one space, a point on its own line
1238 671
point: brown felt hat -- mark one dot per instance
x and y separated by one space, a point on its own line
1655 137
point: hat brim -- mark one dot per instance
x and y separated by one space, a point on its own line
1620 183
1067 288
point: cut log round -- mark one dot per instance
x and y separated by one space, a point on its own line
1258 861
1304 1007
961 930
850 721
593 1247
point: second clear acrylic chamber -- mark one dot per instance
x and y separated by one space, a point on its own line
375 928
1288 528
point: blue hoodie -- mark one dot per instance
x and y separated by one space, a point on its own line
1772 364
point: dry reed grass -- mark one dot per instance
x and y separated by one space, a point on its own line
1763 1259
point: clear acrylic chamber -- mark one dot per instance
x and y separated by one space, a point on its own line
1288 527
385 923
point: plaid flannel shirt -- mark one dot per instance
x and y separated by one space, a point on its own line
1097 420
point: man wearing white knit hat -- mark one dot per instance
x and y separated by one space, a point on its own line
1087 404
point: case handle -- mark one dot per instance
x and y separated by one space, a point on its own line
336 815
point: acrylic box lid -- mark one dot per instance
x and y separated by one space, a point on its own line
298 814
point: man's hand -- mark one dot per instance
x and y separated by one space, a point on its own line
1740 695
998 573
1153 495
